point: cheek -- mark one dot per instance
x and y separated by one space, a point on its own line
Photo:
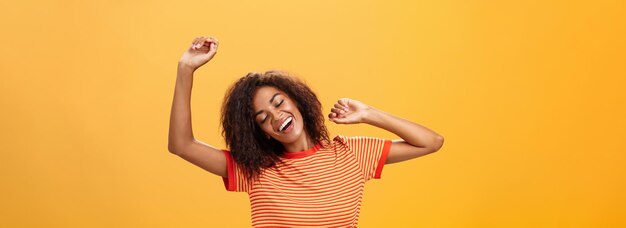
267 128
294 108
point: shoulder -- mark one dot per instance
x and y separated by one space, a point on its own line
340 140
335 142
358 141
347 139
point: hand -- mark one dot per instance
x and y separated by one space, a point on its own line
200 52
348 111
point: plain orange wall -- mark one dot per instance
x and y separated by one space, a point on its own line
529 96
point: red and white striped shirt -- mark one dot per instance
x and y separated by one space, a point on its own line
321 186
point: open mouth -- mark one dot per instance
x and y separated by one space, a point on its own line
286 125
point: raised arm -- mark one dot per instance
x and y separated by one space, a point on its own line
180 139
416 140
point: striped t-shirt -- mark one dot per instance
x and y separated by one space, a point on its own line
321 186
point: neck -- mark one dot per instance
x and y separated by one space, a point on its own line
304 143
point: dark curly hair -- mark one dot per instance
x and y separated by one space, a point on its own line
250 148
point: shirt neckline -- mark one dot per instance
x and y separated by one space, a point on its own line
304 153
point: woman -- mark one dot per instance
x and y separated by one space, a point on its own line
280 152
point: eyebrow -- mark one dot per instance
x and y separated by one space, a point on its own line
271 100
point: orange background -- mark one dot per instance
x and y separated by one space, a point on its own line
529 96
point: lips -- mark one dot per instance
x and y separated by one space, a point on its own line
286 125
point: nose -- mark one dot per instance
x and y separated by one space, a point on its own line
276 114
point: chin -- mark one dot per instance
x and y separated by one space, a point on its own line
292 136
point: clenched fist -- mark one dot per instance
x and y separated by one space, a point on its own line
348 111
202 50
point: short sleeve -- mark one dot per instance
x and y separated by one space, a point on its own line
236 180
371 154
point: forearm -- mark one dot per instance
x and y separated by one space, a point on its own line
410 132
180 131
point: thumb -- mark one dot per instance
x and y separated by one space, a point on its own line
213 46
339 120
212 49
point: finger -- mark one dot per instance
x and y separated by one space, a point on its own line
343 102
213 40
212 46
339 112
201 41
194 44
212 43
206 42
210 49
339 106
339 120
332 115
198 42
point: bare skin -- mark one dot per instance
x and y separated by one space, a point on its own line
416 140
274 108
181 140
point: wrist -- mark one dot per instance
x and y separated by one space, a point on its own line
185 68
370 116
184 72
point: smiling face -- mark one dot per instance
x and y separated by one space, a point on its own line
278 115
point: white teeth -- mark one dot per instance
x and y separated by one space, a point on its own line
285 123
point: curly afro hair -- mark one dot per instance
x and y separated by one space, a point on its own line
249 147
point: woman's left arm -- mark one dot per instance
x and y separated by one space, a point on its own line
416 140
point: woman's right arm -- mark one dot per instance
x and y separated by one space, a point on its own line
181 140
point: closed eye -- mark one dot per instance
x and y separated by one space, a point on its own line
276 105
281 102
